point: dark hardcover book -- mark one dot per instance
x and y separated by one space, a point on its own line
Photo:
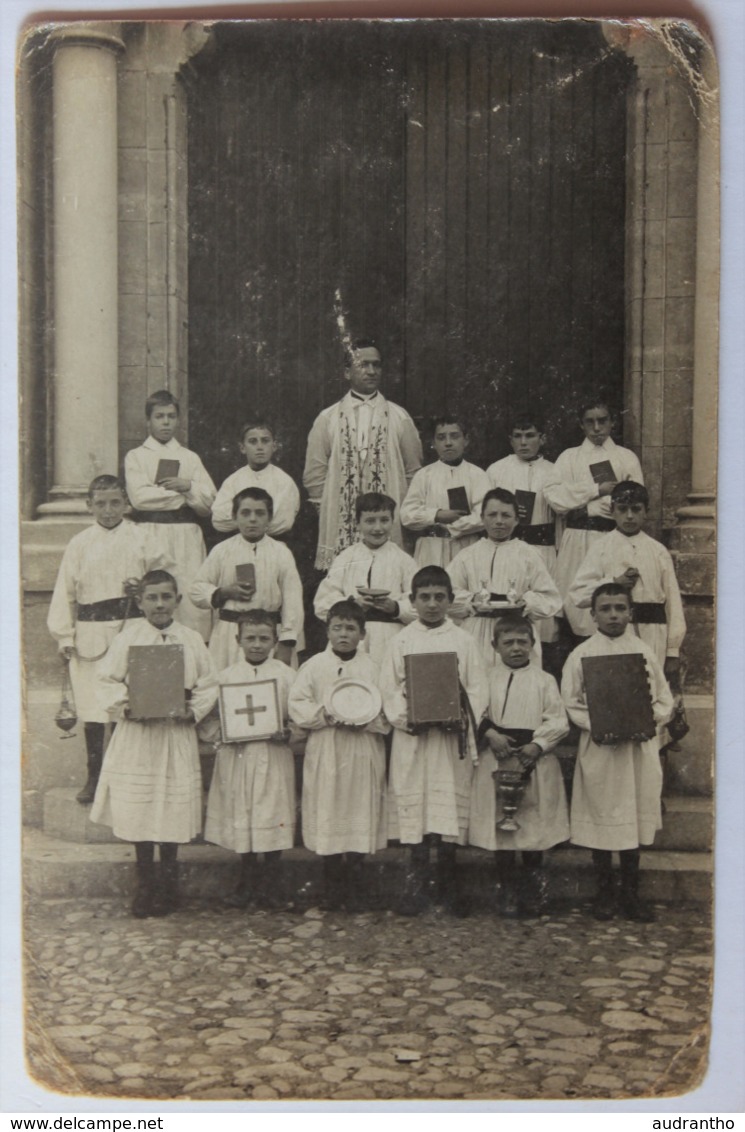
432 687
458 499
619 698
155 674
167 469
525 502
602 472
245 573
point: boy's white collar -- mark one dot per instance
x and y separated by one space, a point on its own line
156 446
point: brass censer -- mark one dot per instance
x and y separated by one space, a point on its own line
510 782
67 715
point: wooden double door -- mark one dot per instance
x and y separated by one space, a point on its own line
458 185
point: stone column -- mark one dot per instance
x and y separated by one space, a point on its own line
85 389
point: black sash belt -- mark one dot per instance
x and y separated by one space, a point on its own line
519 735
537 534
180 515
111 609
435 532
579 520
232 614
650 613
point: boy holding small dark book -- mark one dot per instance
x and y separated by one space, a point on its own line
443 500
251 803
157 682
250 571
434 692
615 691
170 490
525 720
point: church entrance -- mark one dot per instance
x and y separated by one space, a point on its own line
457 186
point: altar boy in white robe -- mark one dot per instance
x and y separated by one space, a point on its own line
430 510
617 783
500 570
275 583
431 766
366 570
344 793
525 720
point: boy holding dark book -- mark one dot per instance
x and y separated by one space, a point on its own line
524 722
157 682
443 500
250 571
90 603
433 702
258 446
344 795
171 491
251 803
615 691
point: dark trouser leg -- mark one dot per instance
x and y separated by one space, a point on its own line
355 895
94 733
142 902
532 883
243 893
413 899
506 863
273 894
453 899
631 906
604 904
166 897
334 875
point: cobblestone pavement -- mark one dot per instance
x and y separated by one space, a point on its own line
222 1005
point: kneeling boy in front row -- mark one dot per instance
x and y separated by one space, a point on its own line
524 722
432 765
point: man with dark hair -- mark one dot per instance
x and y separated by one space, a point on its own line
362 443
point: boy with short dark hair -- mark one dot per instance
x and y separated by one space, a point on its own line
90 602
431 766
645 569
617 782
344 795
169 501
524 722
587 474
443 500
274 583
526 474
251 803
150 790
258 445
374 574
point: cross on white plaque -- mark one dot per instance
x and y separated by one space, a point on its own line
250 711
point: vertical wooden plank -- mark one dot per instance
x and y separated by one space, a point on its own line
519 327
455 175
434 269
477 362
496 339
417 243
541 297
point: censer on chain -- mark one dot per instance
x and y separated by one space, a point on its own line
509 783
67 715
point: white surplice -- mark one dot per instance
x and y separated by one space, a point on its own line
513 474
429 783
384 567
527 698
325 480
578 489
616 789
281 487
501 567
94 567
182 542
278 590
150 787
251 803
428 494
344 795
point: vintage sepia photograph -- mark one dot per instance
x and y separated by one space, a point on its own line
368 398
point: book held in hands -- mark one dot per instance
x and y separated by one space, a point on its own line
155 675
432 687
458 499
167 470
619 698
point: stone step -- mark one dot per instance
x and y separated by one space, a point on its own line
56 868
687 824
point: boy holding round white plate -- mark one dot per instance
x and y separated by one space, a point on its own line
335 698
